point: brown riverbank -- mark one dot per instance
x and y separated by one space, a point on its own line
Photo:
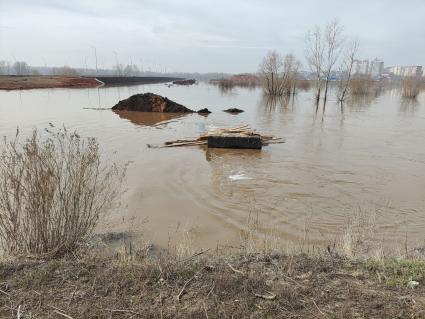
44 82
200 286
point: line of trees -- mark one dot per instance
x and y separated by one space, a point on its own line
126 70
327 52
22 68
17 68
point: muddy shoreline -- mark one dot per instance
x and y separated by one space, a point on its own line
12 82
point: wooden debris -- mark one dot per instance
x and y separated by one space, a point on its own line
243 132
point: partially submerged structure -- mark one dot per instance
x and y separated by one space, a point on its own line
237 137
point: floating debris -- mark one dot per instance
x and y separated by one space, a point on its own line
233 110
238 177
204 111
185 82
237 137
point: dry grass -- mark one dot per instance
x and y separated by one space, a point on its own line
246 286
53 189
362 85
412 86
256 281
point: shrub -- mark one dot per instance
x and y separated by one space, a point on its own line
362 85
53 189
412 86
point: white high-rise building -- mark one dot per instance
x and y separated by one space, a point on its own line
376 68
403 71
361 67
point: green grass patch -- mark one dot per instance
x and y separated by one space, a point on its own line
396 272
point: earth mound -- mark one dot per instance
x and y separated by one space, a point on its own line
233 111
149 102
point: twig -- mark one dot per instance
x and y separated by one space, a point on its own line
270 296
184 287
205 309
19 312
195 255
179 296
321 312
123 310
235 270
5 293
62 314
211 290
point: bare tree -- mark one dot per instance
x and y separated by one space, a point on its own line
279 73
65 71
333 45
131 70
4 67
347 69
323 51
21 68
412 86
270 69
290 71
68 71
119 69
315 58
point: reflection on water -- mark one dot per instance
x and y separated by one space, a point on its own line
284 103
359 102
148 118
408 105
369 154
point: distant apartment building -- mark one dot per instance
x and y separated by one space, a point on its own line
403 71
361 67
376 68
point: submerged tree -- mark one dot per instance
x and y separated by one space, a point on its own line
347 69
315 58
412 86
270 69
333 45
279 73
323 51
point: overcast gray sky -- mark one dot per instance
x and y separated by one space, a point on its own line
201 35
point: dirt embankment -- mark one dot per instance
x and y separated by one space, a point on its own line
149 102
248 286
44 82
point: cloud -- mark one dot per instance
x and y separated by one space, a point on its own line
201 35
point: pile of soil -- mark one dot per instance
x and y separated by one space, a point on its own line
204 111
149 102
234 110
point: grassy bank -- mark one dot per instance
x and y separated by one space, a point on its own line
212 286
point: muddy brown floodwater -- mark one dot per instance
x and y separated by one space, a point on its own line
370 157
